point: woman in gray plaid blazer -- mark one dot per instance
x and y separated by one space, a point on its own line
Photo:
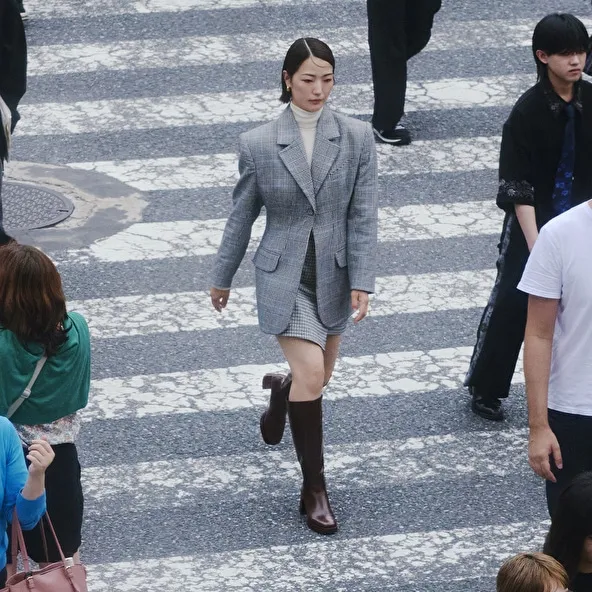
314 170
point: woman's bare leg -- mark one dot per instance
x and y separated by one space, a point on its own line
307 364
330 356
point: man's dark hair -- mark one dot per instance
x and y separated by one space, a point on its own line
571 524
558 34
299 52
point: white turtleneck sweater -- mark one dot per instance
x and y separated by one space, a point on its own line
307 122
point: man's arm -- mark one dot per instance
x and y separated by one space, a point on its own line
527 220
538 342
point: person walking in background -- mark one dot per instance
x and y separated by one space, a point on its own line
315 172
13 82
21 489
557 350
531 572
544 169
36 332
397 30
570 537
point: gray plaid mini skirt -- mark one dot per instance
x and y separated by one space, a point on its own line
305 322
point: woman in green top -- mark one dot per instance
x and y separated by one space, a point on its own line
34 323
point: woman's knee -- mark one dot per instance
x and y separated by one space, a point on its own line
310 379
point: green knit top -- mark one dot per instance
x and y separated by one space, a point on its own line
63 385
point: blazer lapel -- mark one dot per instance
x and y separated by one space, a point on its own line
325 150
293 155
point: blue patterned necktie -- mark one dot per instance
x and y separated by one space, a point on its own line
564 175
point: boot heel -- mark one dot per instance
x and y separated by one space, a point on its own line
269 379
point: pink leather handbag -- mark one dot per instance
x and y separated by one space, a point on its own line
62 576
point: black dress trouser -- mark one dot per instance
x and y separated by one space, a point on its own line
501 330
397 30
573 434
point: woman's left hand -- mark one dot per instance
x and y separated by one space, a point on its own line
40 455
360 303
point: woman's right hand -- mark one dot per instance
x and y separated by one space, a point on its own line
40 455
219 298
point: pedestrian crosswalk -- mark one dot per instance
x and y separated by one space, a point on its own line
181 494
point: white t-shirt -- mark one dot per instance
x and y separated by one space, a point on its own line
560 267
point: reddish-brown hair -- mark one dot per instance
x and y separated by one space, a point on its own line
531 572
32 302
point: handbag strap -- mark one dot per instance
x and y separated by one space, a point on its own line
27 392
18 541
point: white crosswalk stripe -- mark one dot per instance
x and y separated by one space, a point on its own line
157 445
257 106
239 387
450 555
221 170
190 238
149 314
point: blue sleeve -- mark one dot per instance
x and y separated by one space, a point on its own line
29 511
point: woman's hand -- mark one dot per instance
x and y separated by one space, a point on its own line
360 303
542 445
40 456
219 298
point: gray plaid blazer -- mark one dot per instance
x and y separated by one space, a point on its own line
335 198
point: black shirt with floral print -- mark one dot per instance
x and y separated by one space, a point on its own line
532 141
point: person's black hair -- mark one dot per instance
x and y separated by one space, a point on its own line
571 524
299 52
558 34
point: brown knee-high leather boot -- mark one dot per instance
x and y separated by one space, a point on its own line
306 422
273 420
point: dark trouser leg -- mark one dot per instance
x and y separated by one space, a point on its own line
388 55
4 238
420 19
501 331
573 434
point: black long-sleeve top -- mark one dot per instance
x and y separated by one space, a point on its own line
532 141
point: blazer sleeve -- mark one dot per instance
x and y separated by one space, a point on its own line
362 220
247 204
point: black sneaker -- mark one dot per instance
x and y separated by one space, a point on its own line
485 406
399 136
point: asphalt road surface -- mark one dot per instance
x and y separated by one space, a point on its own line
181 493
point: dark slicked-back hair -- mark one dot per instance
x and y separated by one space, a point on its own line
32 303
571 524
558 34
299 52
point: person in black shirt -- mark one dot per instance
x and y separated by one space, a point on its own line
544 169
570 537
13 78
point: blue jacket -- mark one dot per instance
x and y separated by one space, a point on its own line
13 476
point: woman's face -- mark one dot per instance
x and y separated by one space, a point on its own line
586 559
311 84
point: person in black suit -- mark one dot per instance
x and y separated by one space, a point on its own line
13 78
397 30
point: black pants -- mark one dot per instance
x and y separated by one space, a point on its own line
501 330
397 30
4 238
573 434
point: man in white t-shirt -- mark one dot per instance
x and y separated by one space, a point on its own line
558 349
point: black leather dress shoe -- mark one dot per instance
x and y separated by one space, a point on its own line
486 407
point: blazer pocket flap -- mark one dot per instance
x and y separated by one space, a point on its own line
266 260
341 257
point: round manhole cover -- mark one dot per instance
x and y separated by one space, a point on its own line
27 207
